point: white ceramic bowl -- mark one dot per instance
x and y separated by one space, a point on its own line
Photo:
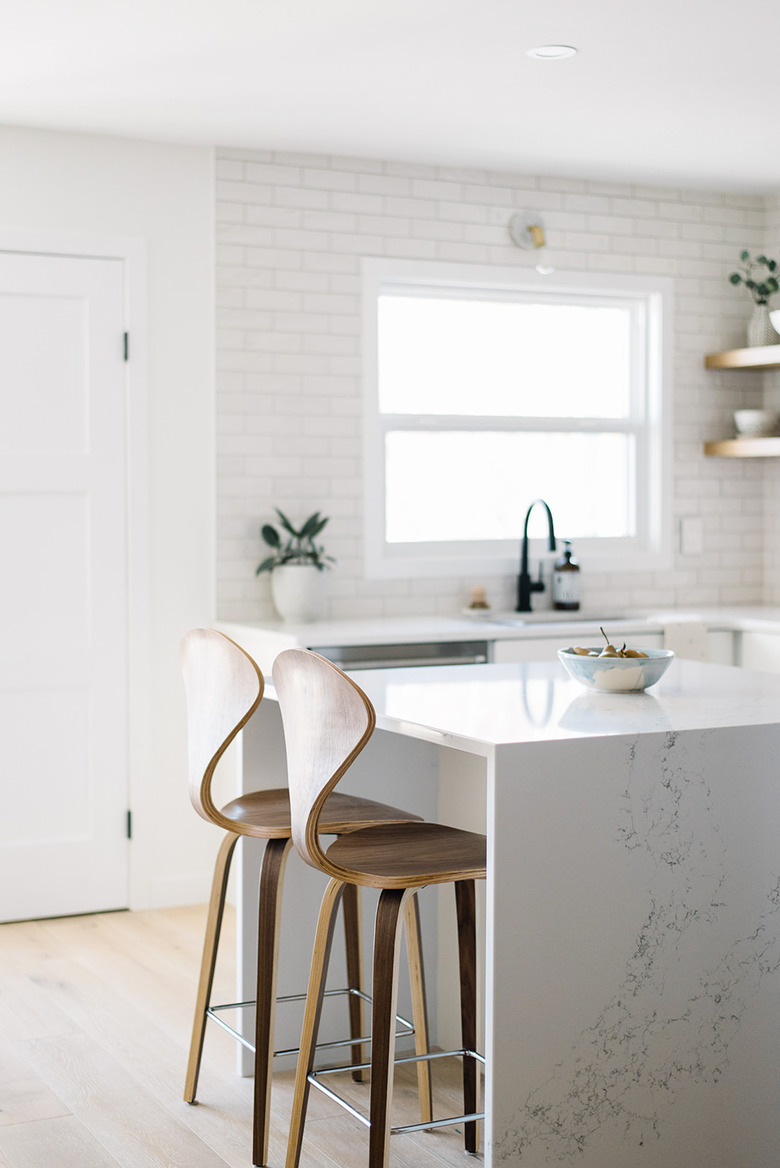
617 674
756 423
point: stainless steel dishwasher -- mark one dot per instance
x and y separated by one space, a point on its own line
398 656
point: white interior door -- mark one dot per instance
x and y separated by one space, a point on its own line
63 587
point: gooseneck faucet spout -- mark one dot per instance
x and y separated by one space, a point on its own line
525 585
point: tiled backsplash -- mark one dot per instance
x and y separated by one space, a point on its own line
291 232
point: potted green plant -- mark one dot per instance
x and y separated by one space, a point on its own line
758 276
296 565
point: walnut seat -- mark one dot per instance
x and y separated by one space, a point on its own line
266 814
409 855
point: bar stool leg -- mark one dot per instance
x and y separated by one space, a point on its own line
353 935
389 915
467 951
419 1005
208 962
323 940
268 922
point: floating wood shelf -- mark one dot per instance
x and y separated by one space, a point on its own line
759 357
744 448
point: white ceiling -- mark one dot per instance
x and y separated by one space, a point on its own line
670 91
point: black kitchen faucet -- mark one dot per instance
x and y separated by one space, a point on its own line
525 585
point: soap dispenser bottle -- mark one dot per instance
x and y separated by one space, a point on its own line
566 581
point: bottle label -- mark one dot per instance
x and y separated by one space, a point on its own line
566 587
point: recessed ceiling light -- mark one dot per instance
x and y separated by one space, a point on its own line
552 52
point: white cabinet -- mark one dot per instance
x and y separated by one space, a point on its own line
536 649
720 646
546 648
759 651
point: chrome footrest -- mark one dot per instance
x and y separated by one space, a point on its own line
403 1026
315 1076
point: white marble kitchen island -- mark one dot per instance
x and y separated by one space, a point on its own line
632 922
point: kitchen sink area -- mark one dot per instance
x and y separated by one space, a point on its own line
553 616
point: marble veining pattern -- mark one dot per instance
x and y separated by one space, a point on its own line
685 987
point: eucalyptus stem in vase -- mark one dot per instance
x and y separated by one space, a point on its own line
758 276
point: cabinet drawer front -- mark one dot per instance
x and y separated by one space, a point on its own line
532 649
759 651
546 648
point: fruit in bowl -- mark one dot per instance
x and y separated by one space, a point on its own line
610 670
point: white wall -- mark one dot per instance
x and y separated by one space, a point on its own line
96 187
291 233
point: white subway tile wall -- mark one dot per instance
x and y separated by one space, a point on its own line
291 232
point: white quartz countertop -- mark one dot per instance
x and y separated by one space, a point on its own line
411 630
415 630
479 707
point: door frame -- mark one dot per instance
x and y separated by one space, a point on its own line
132 252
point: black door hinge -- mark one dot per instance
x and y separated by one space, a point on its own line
129 825
127 346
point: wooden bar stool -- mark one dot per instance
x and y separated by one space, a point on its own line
327 722
224 687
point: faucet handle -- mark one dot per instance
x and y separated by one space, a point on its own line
538 585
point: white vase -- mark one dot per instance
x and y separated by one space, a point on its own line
298 592
760 329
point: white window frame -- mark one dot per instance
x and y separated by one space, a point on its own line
650 549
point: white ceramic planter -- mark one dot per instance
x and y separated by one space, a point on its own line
298 592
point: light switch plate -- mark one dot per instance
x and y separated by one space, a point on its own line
691 536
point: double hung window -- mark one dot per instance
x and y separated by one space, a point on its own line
488 388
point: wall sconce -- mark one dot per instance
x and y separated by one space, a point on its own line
526 229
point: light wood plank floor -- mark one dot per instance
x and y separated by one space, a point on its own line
95 1014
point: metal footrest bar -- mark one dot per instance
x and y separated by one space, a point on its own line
314 1078
411 1127
403 1026
212 1012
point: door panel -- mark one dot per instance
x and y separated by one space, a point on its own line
48 588
63 590
46 415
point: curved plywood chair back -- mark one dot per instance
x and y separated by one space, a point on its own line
327 722
223 687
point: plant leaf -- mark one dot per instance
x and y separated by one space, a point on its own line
309 527
266 565
270 535
285 522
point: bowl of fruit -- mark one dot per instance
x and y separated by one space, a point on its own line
608 669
